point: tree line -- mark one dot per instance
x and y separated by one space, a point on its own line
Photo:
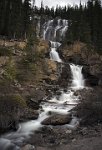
14 18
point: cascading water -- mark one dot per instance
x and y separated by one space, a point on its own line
55 29
61 105
78 80
53 53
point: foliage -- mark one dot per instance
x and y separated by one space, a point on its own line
5 51
11 107
14 18
10 71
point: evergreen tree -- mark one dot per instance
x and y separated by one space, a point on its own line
26 16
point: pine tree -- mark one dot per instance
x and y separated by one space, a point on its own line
26 17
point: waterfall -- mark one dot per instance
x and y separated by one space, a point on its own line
55 29
77 77
53 53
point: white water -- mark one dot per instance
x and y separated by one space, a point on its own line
78 80
54 55
55 31
61 105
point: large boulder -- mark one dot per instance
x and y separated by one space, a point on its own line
89 110
57 119
33 100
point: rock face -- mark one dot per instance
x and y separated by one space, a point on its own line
57 120
90 107
65 76
51 75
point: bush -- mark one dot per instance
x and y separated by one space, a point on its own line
11 108
10 71
5 51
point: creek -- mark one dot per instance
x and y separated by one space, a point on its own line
62 105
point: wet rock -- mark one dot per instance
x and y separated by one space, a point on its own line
65 76
86 71
84 131
90 107
57 120
29 114
33 101
28 147
92 80
100 81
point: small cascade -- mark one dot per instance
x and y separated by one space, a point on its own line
55 44
77 77
53 53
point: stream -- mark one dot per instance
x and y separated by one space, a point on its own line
58 105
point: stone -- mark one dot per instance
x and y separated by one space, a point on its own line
29 114
57 119
28 147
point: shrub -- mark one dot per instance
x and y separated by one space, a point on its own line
10 71
5 51
11 108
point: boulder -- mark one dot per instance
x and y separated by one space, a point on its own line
29 114
35 98
57 119
90 107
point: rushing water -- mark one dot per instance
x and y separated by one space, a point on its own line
55 29
59 105
78 80
53 53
